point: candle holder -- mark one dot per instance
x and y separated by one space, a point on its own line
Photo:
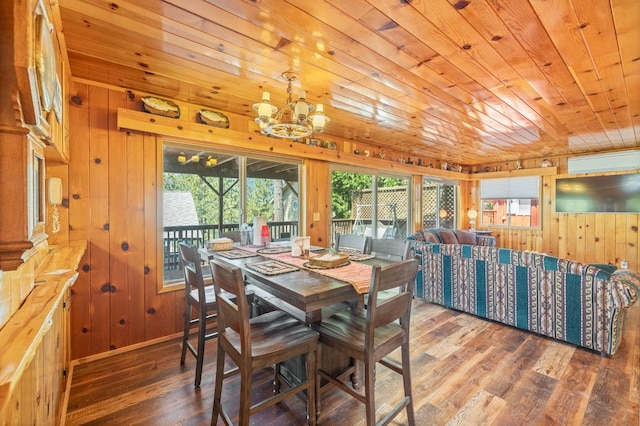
265 238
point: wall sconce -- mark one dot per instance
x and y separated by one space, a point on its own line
472 214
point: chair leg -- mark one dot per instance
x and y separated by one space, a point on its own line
277 370
311 387
406 375
318 381
245 395
202 332
369 391
185 336
217 395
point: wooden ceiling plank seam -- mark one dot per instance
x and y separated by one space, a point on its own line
446 48
601 31
563 29
445 19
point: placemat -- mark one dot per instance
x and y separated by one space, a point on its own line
274 250
235 254
359 256
308 265
271 267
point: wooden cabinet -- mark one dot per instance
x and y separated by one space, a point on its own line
34 366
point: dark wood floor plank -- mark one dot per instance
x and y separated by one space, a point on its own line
465 371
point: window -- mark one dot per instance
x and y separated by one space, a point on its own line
438 204
510 202
207 192
360 199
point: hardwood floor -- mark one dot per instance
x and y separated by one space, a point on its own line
466 371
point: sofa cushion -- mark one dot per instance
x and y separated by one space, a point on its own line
447 236
606 267
430 236
466 237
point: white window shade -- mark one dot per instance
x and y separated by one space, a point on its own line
519 187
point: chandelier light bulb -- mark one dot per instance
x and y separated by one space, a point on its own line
265 109
182 158
319 120
302 107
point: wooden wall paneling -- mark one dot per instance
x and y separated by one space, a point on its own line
599 240
633 242
99 234
571 235
136 229
79 218
610 235
580 240
118 228
589 238
562 234
622 236
550 222
156 311
317 200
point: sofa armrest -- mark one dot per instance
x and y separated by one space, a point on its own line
486 240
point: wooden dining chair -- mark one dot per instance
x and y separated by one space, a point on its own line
232 235
352 242
198 298
369 336
387 248
257 343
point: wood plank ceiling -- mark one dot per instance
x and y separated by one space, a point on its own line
468 82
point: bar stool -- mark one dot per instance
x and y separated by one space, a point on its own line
369 336
256 343
200 298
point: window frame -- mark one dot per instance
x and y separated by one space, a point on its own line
516 189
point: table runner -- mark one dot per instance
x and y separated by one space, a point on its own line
357 274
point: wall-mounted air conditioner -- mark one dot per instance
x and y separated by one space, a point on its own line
606 162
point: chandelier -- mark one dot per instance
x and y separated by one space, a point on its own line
293 120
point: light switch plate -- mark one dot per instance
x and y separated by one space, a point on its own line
316 217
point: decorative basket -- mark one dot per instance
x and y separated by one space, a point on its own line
329 260
220 244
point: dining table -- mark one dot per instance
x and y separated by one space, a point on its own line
303 292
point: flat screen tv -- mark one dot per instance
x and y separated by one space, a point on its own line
606 194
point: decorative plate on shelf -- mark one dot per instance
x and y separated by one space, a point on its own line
46 63
161 107
213 118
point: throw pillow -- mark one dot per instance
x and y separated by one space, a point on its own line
466 237
447 236
430 237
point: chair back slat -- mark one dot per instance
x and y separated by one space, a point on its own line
390 249
189 260
399 276
392 309
358 243
233 309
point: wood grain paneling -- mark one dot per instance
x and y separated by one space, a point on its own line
114 176
458 81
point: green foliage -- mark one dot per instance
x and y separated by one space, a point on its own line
343 184
260 198
205 196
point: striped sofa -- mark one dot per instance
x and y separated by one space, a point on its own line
559 298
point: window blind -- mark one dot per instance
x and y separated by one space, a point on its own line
518 187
